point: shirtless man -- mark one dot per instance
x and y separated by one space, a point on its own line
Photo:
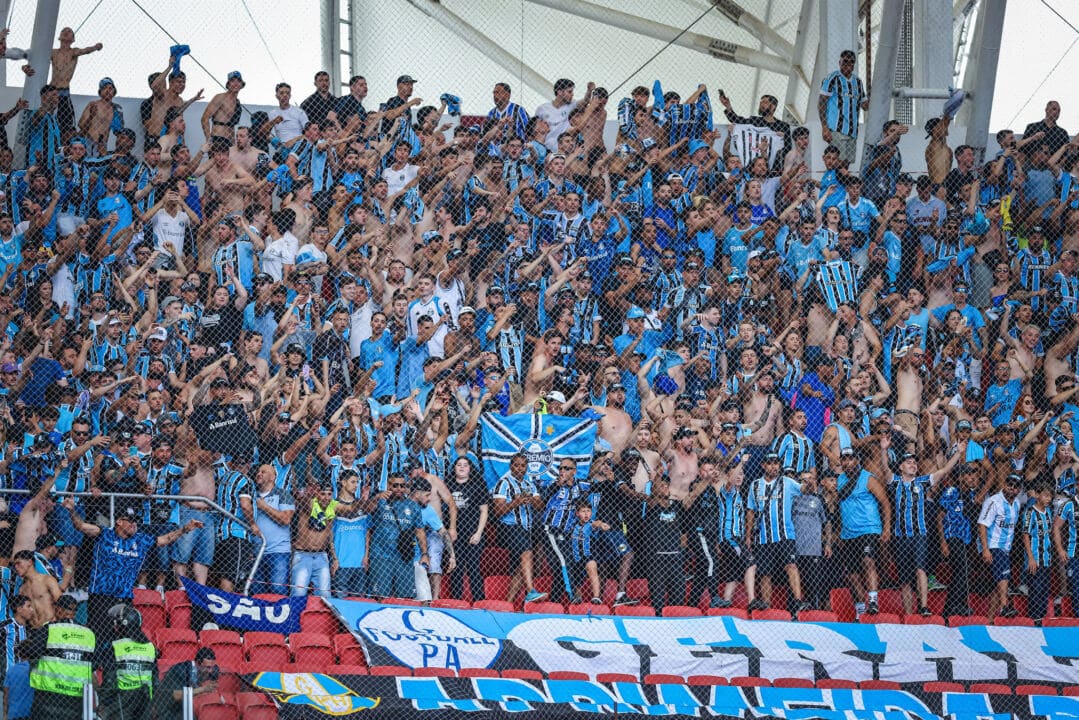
682 462
193 555
616 426
64 60
95 123
541 372
31 524
226 181
41 588
165 97
224 109
313 558
301 205
243 153
764 409
908 385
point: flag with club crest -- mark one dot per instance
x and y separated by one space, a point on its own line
543 439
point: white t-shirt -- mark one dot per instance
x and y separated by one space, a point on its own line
292 125
170 228
397 179
279 253
558 119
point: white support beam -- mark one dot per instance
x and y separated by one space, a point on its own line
460 27
720 49
880 98
933 59
330 30
798 73
983 59
40 51
760 29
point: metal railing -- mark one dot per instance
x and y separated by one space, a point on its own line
112 496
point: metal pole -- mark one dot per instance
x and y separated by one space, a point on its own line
330 27
487 46
40 52
255 566
991 20
922 93
880 102
5 6
88 701
715 47
188 704
932 52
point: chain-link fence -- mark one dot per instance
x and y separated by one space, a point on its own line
552 403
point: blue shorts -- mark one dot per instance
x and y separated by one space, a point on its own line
196 546
913 554
1001 565
389 577
610 546
516 539
60 522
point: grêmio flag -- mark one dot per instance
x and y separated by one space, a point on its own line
241 612
543 439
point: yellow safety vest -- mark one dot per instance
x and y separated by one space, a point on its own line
65 668
135 662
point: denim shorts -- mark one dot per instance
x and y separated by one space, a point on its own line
349 582
196 546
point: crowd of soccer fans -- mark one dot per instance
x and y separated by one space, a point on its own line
807 370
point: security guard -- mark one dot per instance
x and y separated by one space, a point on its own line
60 654
129 667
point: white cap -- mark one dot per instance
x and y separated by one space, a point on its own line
556 396
159 334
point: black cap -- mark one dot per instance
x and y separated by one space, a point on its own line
294 348
219 382
683 432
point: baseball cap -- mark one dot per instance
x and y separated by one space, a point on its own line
845 403
556 396
846 452
260 278
929 125
648 144
615 387
105 81
496 290
691 266
189 286
115 321
219 382
128 513
467 309
683 432
9 368
44 439
48 540
634 313
405 79
1013 479
964 425
530 286
695 145
736 277
159 334
169 300
284 416
961 287
455 253
294 348
908 456
235 75
675 176
771 457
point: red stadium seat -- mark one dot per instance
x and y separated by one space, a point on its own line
587 609
880 619
916 619
961 620
247 700
260 712
681 611
434 672
617 678
153 615
664 679
879 685
750 681
635 611
843 604
637 588
991 688
705 680
567 675
451 604
229 655
316 657
1017 621
770 614
344 669
496 587
836 684
792 683
521 674
493 605
1071 690
730 611
266 649
409 602
890 601
937 686
348 650
319 621
144 596
310 639
209 638
818 616
477 673
389 671
1035 690
217 711
176 643
494 562
545 608
178 608
1060 622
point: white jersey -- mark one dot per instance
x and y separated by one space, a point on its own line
169 228
1000 519
558 120
432 308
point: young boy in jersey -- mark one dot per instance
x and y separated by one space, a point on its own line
350 537
812 537
664 540
1037 542
584 559
1066 542
429 578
